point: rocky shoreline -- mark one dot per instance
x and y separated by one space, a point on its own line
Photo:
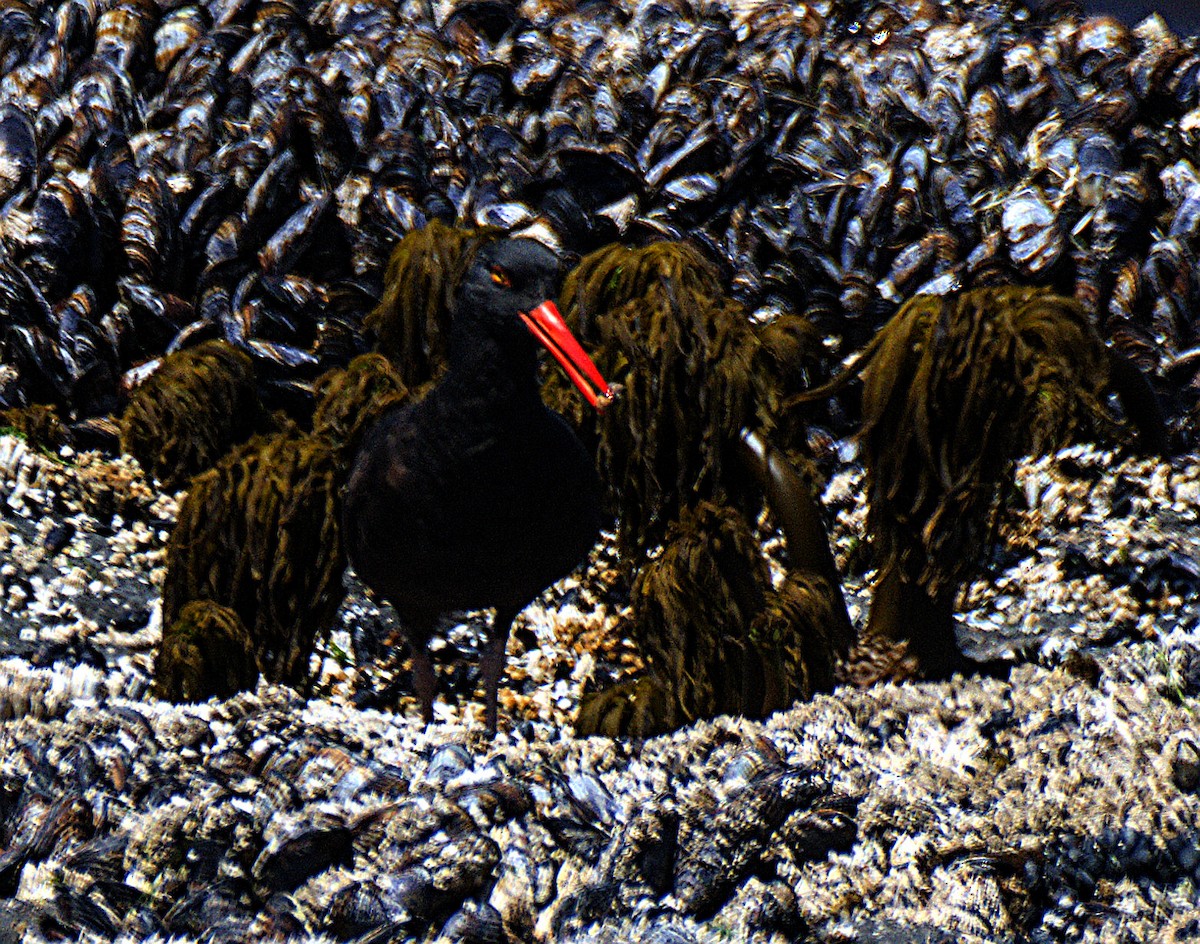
1058 804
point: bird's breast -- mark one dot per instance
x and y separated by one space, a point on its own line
474 517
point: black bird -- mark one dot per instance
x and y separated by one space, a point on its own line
478 495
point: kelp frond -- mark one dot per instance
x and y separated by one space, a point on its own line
657 322
790 357
692 607
198 404
350 398
796 640
640 707
956 389
206 652
260 533
716 636
412 318
38 424
616 274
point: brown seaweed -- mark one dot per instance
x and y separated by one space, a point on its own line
350 398
956 389
718 639
692 608
790 359
640 707
608 278
797 638
680 471
206 652
260 533
192 410
659 324
39 424
411 321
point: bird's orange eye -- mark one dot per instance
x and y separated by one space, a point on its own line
500 277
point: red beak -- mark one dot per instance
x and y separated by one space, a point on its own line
547 325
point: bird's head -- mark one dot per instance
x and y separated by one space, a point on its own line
510 284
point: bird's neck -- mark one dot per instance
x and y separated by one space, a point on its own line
503 375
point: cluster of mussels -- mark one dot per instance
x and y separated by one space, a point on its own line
263 819
170 172
241 170
266 816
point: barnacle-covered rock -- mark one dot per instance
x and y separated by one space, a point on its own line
1185 765
735 836
686 853
458 865
636 857
260 534
193 409
765 907
205 652
361 907
298 849
410 321
132 818
474 923
828 825
30 476
968 898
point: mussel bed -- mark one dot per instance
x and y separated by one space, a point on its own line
240 169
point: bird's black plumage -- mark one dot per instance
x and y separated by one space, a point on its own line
477 495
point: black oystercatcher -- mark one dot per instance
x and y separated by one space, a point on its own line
478 495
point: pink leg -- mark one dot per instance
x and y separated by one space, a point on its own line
491 664
424 682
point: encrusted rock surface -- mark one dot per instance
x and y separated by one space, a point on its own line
1058 804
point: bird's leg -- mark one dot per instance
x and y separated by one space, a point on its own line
424 681
491 664
1140 403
